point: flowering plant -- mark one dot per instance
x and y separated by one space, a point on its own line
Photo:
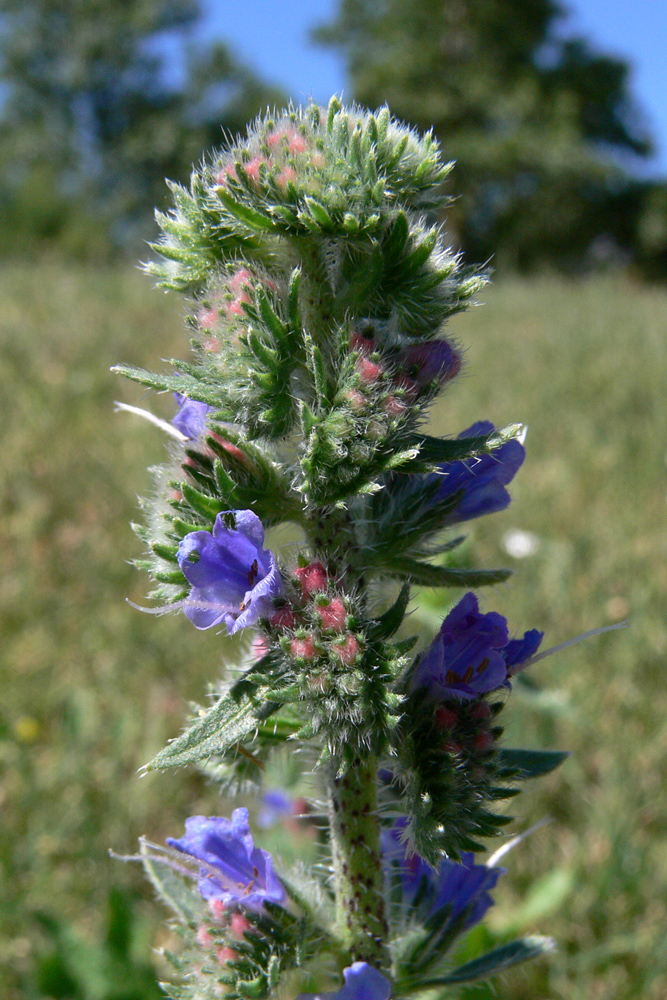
318 286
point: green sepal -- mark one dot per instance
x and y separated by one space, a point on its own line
388 623
204 504
495 961
248 216
524 764
164 551
427 575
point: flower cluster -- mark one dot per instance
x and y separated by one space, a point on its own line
319 293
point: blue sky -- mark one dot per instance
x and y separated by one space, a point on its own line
272 37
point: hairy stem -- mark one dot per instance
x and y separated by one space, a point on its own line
355 837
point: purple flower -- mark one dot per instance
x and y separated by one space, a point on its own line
517 651
463 886
234 579
432 360
483 479
362 982
275 805
465 659
238 873
191 417
472 654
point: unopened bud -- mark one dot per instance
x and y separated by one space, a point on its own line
348 650
217 908
394 406
446 718
333 615
356 400
484 741
284 618
207 318
481 711
313 578
204 938
434 360
239 924
304 649
226 954
368 370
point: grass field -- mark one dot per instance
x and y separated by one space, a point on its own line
91 688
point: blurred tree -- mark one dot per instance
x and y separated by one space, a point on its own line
104 99
542 128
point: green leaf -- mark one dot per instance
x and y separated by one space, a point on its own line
427 575
495 961
248 216
226 724
390 621
524 764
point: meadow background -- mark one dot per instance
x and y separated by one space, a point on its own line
91 688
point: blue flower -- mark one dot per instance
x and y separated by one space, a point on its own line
275 805
472 654
518 651
237 872
482 480
463 887
362 982
234 579
191 417
465 659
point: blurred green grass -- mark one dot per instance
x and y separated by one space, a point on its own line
92 688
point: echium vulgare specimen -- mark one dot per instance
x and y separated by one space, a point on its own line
318 288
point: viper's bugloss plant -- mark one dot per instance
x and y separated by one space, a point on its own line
318 285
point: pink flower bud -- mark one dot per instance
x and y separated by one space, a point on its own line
284 618
333 615
223 175
395 407
275 138
239 280
304 649
252 168
484 741
207 318
481 711
297 144
446 718
204 938
369 371
232 450
362 342
226 954
239 924
286 175
356 399
348 650
313 578
217 908
260 646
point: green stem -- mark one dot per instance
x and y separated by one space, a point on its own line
358 879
